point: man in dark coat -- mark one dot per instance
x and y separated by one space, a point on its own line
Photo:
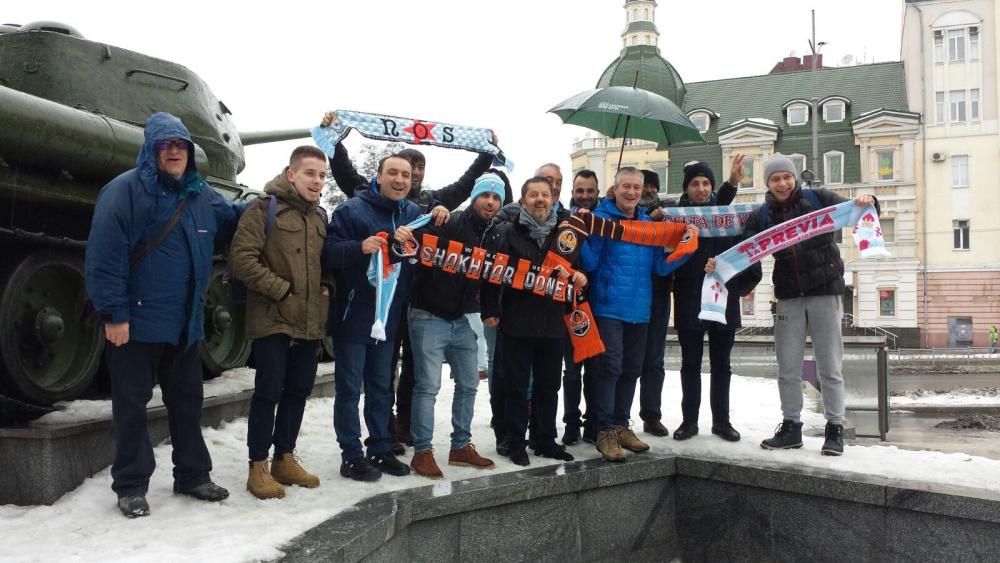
148 262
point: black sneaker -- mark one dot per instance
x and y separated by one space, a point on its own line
388 463
726 432
571 435
554 451
532 441
207 491
787 436
503 447
655 427
360 471
519 456
397 448
133 506
686 431
834 443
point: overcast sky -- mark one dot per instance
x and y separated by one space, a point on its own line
497 64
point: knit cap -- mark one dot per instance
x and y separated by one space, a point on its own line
695 169
488 183
779 163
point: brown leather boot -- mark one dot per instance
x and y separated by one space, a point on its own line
629 441
607 444
261 484
423 464
286 470
469 457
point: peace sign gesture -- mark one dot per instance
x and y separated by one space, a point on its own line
736 171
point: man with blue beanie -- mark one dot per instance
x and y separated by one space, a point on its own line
148 262
440 305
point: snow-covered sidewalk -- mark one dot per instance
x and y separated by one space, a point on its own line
987 397
85 524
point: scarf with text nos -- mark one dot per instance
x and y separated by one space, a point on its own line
545 279
407 130
867 236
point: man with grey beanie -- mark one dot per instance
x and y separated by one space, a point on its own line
808 283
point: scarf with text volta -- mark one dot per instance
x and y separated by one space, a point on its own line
867 235
713 220
407 130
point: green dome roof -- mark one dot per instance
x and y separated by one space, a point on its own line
637 26
655 73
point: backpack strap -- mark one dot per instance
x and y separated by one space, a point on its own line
272 213
141 253
813 198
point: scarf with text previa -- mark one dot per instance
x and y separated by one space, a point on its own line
407 130
455 257
867 235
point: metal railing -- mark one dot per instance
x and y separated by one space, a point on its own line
966 354
890 337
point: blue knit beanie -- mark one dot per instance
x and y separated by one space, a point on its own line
488 183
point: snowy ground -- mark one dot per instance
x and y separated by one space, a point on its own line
85 524
961 397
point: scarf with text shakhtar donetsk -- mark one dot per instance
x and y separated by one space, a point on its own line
545 279
407 130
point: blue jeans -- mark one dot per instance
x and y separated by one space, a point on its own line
286 372
434 339
651 380
476 323
616 372
356 365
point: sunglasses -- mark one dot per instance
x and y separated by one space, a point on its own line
172 143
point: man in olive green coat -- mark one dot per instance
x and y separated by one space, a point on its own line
276 253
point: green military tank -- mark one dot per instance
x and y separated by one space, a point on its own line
71 115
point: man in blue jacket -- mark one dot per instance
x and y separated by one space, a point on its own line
361 360
148 261
620 296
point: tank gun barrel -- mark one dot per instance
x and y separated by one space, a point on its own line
81 143
260 137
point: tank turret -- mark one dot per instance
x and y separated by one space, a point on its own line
71 118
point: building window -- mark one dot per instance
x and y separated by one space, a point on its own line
938 46
960 234
799 160
885 162
645 13
957 100
888 229
833 112
887 302
960 171
635 39
974 104
973 43
939 107
798 114
747 180
747 305
956 45
833 167
700 120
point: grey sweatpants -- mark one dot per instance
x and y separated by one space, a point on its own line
819 317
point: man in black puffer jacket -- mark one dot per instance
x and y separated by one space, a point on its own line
808 285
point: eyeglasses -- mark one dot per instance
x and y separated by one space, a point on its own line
171 143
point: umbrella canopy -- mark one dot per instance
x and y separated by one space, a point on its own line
624 111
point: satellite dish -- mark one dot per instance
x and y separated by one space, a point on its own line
847 60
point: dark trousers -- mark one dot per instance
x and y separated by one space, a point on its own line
574 388
357 365
286 372
402 384
539 360
720 345
135 368
616 372
498 394
651 380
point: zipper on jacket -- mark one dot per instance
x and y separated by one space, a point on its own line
347 310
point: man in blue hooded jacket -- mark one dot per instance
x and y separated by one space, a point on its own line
148 262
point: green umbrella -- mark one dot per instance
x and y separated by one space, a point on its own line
624 111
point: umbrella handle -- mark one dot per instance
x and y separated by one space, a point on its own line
624 137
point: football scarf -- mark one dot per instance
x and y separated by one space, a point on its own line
407 130
384 276
867 235
673 237
713 220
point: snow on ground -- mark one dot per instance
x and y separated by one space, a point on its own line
85 524
960 397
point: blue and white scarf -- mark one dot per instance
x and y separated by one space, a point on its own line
407 130
713 220
867 235
385 285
